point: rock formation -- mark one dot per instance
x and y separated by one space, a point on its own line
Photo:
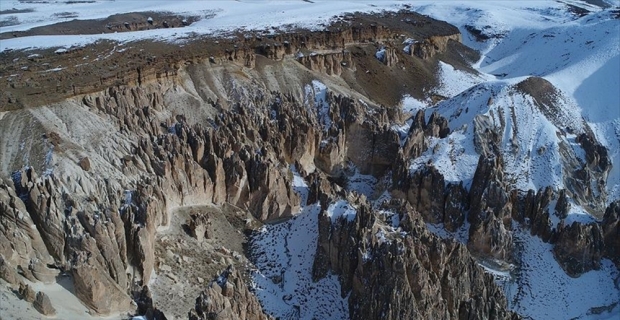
222 123
227 297
404 272
43 305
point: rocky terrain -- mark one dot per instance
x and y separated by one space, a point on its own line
280 174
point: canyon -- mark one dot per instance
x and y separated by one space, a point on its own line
281 174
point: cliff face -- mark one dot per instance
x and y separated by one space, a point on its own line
403 270
120 160
153 61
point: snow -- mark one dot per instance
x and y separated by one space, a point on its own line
127 200
300 186
577 214
542 39
54 69
499 274
318 93
389 229
453 81
412 105
283 279
380 54
578 55
531 144
365 184
217 17
341 209
454 157
391 217
495 17
461 235
542 290
408 42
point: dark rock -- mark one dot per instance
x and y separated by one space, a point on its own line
85 164
54 138
200 226
227 297
144 300
26 293
579 248
420 275
43 304
611 232
455 206
490 212
563 205
426 193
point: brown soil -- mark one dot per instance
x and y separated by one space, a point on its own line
387 85
543 92
135 21
185 266
38 77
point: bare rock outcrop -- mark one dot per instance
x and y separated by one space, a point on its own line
85 164
426 193
433 45
227 297
579 248
408 272
99 222
328 63
9 274
455 205
43 304
102 231
200 226
26 292
611 232
532 210
97 290
490 212
425 187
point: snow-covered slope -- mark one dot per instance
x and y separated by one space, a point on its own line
215 16
283 279
284 254
580 58
530 143
542 290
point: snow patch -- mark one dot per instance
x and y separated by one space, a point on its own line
341 209
300 186
380 54
284 254
318 92
453 81
542 290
